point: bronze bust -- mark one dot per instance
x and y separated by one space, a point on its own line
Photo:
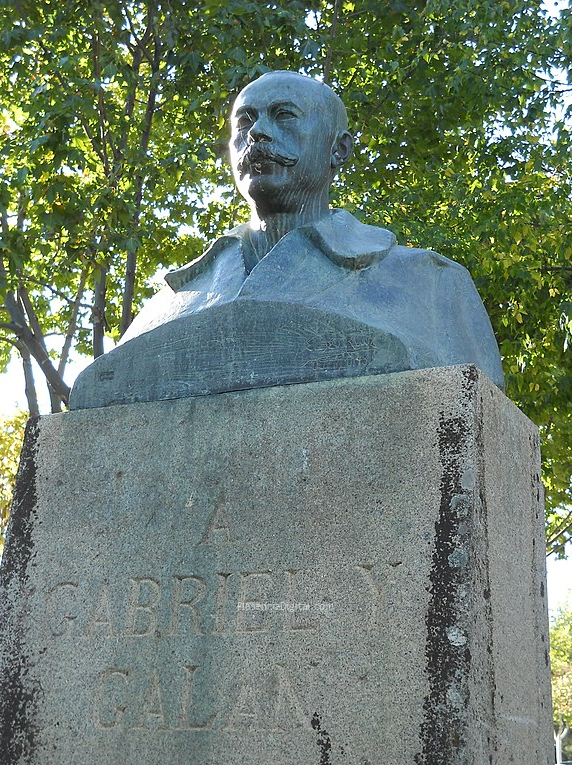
300 293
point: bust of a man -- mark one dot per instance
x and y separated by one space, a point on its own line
300 293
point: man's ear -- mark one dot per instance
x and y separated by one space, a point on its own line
341 149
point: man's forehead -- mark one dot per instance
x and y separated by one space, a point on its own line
280 87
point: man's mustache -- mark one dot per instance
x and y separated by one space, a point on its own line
263 152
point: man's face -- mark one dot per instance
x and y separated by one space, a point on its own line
281 142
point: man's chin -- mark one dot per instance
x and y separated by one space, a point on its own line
264 187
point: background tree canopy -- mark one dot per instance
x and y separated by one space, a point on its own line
561 665
113 145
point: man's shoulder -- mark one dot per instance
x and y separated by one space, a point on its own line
341 237
355 245
348 242
181 276
424 258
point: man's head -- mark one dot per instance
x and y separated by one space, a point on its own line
289 138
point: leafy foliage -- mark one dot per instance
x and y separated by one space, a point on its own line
113 145
11 435
561 663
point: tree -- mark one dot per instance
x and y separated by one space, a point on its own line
561 663
11 435
113 139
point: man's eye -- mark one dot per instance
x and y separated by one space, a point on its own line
284 114
244 122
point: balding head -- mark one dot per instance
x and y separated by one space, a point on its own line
334 109
289 137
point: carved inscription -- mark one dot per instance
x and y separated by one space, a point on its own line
221 599
99 620
331 349
109 702
142 612
188 616
188 591
218 527
247 711
221 603
217 603
255 588
61 608
296 620
124 700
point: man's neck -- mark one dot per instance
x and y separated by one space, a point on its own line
266 231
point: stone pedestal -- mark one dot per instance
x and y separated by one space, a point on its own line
336 572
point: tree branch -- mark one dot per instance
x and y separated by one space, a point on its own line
350 82
131 99
24 298
54 291
29 383
330 53
131 262
96 61
82 120
38 333
562 528
21 217
142 43
72 326
37 350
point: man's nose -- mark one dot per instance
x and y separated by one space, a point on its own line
260 130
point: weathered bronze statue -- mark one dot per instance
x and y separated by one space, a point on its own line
301 292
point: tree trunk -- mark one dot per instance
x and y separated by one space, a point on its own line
559 737
30 385
98 314
36 348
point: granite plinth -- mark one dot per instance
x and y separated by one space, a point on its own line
338 572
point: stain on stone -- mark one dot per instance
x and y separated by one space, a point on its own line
448 661
18 693
324 743
19 537
471 375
